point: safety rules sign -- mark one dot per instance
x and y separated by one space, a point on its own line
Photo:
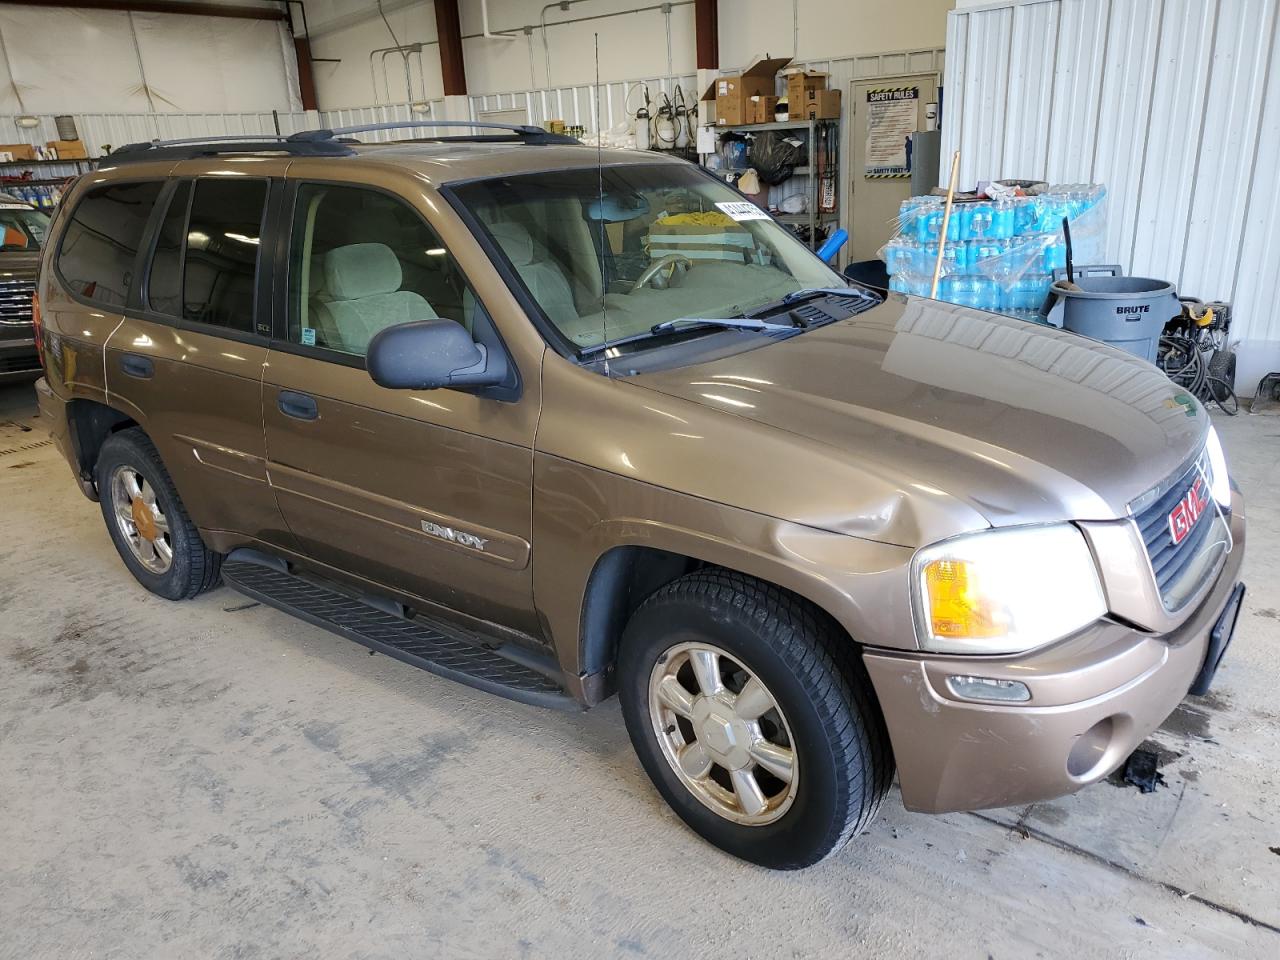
891 119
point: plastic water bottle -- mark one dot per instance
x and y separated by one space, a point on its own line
898 254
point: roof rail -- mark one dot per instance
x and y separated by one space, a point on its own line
192 147
526 133
325 143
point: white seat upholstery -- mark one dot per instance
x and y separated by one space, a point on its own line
362 296
539 272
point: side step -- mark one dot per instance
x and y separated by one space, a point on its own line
505 670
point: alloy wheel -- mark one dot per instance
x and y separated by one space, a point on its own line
723 733
140 519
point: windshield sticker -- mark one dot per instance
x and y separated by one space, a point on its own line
308 336
742 210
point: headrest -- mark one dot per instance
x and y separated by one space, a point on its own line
515 242
361 270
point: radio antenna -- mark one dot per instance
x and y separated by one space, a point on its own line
604 290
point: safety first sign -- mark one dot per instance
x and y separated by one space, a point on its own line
892 116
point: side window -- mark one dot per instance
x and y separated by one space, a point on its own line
220 266
362 261
164 285
100 243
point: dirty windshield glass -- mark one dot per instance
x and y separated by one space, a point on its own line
607 254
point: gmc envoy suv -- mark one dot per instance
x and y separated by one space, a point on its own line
558 422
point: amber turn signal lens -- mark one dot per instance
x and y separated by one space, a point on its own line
957 606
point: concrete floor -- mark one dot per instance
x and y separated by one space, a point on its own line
215 779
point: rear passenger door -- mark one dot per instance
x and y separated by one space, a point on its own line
187 359
427 493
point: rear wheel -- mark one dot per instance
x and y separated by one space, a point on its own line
754 717
146 519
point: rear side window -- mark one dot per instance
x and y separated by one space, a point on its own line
220 267
100 244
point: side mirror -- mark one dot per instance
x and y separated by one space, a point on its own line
429 355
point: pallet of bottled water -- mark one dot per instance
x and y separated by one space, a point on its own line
998 255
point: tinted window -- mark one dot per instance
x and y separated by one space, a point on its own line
164 285
101 241
221 263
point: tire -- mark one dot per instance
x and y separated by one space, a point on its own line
830 720
190 567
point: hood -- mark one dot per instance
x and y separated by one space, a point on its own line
954 419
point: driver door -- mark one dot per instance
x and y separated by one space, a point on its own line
424 493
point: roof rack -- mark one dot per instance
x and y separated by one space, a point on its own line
525 133
334 142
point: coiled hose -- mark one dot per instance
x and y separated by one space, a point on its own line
1183 362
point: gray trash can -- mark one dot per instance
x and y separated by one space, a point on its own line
1126 312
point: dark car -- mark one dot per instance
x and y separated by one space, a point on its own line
24 229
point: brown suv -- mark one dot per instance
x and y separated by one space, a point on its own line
557 423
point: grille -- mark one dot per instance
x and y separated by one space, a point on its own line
15 301
1171 562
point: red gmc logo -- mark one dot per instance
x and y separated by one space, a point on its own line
1189 509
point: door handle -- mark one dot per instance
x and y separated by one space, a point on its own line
133 365
297 405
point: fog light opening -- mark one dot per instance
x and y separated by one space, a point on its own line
988 688
1092 749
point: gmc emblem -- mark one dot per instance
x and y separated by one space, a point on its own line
1188 510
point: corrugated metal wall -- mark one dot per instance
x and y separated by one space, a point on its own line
1173 104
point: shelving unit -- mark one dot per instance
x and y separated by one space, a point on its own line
813 217
11 170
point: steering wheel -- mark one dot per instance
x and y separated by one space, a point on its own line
675 262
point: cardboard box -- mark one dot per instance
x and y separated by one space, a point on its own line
732 94
20 151
69 149
824 105
803 85
762 109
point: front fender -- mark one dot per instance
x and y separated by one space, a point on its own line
581 514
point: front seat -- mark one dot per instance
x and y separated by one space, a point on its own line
362 296
540 273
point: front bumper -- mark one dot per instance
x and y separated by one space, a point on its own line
1094 699
18 358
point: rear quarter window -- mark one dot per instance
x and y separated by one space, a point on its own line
99 246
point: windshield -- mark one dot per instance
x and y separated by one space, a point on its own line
21 228
609 253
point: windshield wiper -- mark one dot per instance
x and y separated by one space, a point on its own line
740 323
678 325
813 293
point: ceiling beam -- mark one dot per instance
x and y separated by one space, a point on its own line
449 30
231 11
706 30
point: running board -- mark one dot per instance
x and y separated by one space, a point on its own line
499 668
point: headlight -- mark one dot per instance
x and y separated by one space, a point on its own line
1005 591
1219 479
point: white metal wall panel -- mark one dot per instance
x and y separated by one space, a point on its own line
1173 104
1123 123
1031 69
1229 140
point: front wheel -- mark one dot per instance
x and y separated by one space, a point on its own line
754 717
